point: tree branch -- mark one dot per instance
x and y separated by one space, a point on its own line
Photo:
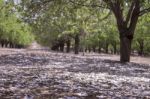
142 12
129 14
92 5
105 17
134 17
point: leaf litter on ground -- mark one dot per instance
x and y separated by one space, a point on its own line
50 75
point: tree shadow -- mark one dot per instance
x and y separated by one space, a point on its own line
110 67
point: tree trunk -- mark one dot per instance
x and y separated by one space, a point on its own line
125 48
89 49
68 46
62 46
99 50
115 48
2 44
106 48
77 41
99 47
94 48
86 49
141 46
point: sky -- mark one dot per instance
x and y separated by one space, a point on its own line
16 1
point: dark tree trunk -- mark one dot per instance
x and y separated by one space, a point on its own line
77 41
106 47
141 46
68 46
6 44
126 25
55 46
13 45
94 48
86 49
89 49
125 48
99 48
115 48
2 43
62 46
10 44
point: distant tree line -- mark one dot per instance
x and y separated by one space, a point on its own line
14 33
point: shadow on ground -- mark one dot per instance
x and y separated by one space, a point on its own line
56 75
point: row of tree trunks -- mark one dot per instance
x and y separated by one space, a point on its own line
8 44
59 45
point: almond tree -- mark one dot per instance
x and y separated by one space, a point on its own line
126 21
126 13
13 32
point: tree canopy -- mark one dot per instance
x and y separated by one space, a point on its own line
13 30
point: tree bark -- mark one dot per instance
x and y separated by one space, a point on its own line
77 41
94 48
89 48
68 46
125 48
106 48
62 46
126 25
99 50
141 46
99 47
115 48
2 43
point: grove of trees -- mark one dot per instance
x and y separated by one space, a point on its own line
14 33
110 26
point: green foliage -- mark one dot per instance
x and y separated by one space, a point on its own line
53 19
142 36
12 28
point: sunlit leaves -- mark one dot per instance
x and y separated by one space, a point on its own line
11 26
